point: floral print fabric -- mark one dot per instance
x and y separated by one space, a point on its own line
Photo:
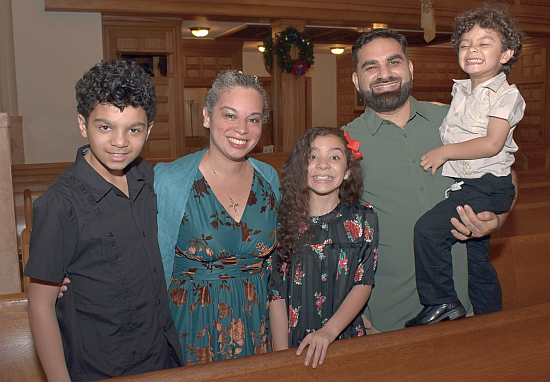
316 282
218 289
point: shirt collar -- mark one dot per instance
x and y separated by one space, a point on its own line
374 122
491 84
98 186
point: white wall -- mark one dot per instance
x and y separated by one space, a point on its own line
52 52
323 84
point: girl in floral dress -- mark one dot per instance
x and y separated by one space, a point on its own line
324 268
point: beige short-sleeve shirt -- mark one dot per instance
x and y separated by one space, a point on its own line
468 118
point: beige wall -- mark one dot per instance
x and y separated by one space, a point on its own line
52 51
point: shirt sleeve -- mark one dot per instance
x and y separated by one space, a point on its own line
366 263
509 105
53 241
277 287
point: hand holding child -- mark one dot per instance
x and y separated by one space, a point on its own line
318 342
433 159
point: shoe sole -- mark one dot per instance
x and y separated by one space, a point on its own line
452 315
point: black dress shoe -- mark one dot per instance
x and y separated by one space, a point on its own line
435 313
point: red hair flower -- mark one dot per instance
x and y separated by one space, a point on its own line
353 145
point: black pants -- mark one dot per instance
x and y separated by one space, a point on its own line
433 241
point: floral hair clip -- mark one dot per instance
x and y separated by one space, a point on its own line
353 145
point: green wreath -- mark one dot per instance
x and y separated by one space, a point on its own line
283 44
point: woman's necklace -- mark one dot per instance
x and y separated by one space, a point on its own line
233 203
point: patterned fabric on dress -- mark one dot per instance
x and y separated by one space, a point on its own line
218 290
315 283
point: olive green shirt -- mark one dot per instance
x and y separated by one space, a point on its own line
401 191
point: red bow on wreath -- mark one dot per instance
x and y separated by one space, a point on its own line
353 145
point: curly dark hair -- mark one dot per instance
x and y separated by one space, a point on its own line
496 18
121 83
294 206
367 37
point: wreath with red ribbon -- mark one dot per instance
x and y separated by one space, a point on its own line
282 45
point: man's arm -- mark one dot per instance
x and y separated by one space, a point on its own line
483 223
482 147
45 329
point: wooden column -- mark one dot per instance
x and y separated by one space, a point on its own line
289 96
9 259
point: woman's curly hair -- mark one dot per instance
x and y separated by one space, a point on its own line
496 18
121 83
293 210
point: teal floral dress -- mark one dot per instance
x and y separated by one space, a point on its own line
218 291
316 282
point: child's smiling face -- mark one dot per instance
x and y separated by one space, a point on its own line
328 166
481 54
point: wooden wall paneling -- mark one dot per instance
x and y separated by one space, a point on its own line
153 36
202 60
346 92
530 76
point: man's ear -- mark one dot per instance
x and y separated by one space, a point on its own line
355 81
506 56
82 126
149 130
411 68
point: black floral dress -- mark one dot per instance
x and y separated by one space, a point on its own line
316 282
218 290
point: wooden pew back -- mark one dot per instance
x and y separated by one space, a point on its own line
18 359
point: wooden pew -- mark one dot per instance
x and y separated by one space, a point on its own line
511 345
18 359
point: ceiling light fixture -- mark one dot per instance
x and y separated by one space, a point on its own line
261 48
199 31
379 25
337 50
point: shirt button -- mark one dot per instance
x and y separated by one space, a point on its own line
134 352
404 135
155 270
448 130
421 188
456 114
158 301
111 234
414 160
143 233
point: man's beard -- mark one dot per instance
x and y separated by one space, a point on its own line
387 101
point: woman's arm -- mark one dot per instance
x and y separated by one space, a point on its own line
278 321
45 329
320 340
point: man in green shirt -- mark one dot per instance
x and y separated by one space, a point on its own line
394 132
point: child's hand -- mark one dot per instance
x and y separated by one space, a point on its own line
63 287
433 159
318 344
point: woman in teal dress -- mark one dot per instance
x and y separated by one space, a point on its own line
217 216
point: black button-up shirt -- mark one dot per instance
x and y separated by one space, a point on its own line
114 318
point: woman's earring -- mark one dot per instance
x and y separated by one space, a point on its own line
205 125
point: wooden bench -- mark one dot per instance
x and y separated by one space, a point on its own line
523 266
511 345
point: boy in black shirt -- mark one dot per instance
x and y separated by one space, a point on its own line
97 226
